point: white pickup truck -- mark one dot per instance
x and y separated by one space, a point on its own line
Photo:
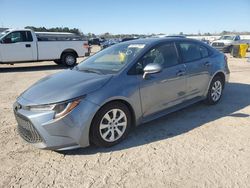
225 43
27 46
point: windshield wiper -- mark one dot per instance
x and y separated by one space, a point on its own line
91 71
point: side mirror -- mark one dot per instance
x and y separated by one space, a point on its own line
7 41
151 68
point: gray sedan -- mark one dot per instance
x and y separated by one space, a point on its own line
125 85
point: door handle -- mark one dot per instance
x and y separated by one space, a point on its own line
180 73
207 64
27 45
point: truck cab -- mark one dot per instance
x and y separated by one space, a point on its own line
18 45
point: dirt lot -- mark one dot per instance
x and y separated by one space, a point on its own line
200 146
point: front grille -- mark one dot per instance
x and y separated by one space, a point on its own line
218 44
26 130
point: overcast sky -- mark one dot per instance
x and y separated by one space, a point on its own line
129 16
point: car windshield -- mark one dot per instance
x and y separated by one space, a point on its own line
3 33
112 59
227 38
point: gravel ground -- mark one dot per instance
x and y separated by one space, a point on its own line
200 146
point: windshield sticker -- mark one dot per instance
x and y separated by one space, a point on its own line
136 46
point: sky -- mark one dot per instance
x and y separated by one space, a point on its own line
129 16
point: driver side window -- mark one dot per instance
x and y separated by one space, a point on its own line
13 37
18 36
164 55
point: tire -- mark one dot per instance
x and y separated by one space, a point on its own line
215 91
68 59
230 49
105 130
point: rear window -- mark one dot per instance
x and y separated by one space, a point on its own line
29 36
190 51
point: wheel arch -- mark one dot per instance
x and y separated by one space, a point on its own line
125 102
69 50
220 74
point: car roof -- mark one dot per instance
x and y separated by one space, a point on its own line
154 41
159 40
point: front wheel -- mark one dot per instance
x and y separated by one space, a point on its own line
110 125
215 91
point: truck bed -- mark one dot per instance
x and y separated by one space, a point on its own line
58 47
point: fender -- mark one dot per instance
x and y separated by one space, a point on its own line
212 77
136 114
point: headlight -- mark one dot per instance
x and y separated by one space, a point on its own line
60 109
63 109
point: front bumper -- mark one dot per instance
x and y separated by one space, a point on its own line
42 131
225 49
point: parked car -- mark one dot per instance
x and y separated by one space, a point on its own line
108 43
128 38
122 86
25 45
96 41
163 36
225 43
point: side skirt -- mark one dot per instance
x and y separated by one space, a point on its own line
171 109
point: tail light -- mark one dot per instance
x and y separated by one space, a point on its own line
225 58
226 64
85 45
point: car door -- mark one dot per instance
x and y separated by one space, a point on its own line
195 57
166 88
18 46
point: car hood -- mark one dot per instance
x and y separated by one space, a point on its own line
63 86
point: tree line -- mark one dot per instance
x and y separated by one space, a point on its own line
110 35
55 29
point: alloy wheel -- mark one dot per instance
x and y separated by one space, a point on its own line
113 125
70 60
216 90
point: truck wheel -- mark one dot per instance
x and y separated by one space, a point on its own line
69 59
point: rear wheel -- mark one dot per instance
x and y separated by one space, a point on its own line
68 59
110 125
215 91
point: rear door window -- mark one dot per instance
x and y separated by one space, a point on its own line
204 51
190 51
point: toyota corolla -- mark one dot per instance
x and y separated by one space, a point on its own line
125 85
